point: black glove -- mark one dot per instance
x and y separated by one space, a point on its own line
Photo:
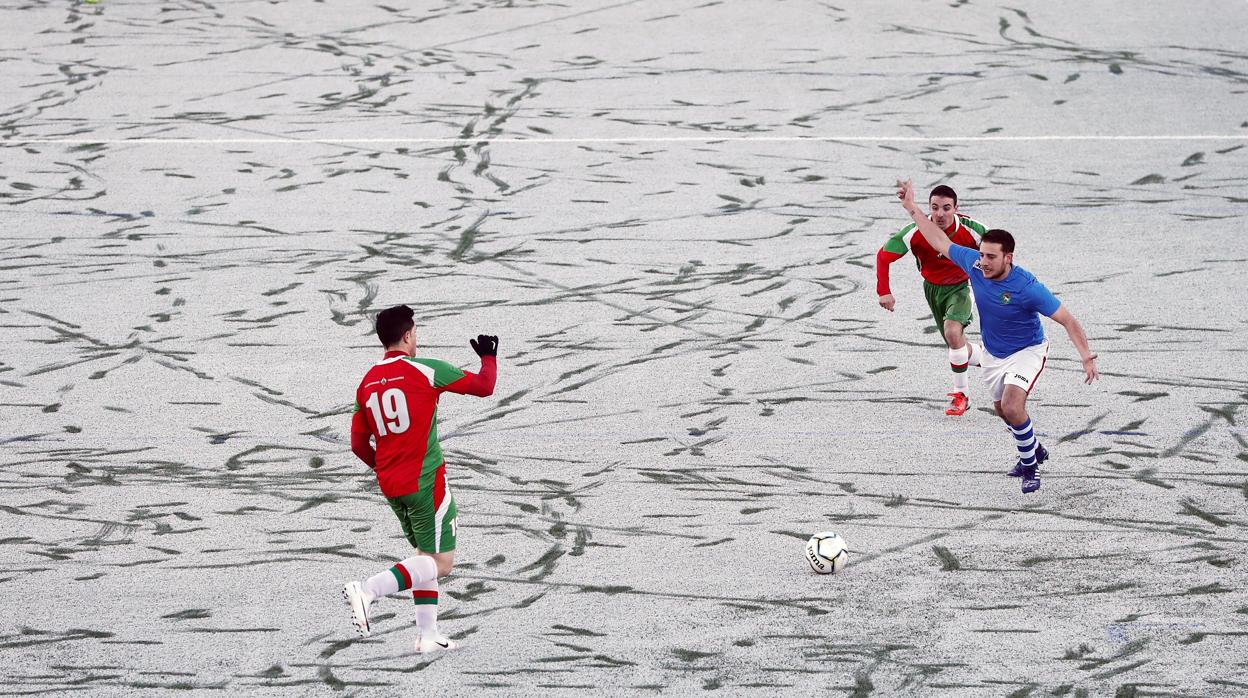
485 345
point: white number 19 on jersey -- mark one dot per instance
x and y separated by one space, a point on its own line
393 404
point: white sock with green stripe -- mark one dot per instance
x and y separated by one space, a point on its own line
958 359
425 595
404 575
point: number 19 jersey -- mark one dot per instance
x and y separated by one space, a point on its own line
397 403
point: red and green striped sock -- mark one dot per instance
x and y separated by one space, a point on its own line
404 575
425 595
958 360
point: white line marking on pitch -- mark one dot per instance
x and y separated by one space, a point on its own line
656 139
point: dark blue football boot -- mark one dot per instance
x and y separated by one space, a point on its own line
1031 479
1041 456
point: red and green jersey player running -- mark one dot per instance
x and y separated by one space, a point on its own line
944 283
396 406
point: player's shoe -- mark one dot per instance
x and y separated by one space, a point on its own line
359 601
959 404
1031 479
431 645
1041 456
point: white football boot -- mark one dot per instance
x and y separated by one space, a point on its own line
359 601
430 645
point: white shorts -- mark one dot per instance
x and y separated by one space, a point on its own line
1022 368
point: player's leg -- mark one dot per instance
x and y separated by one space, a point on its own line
955 304
426 598
961 306
936 297
1014 411
995 374
959 360
436 528
403 575
1023 368
1024 438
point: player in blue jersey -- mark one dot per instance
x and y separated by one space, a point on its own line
1010 302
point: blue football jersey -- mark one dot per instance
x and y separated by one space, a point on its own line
1009 308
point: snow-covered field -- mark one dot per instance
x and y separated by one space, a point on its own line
669 212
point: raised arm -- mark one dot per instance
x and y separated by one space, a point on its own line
930 231
480 384
1063 317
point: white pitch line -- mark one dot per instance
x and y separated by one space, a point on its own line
653 139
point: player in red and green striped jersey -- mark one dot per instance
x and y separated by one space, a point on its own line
944 284
396 405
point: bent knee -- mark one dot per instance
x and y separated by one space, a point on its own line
1014 414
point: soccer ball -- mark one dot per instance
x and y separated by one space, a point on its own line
827 553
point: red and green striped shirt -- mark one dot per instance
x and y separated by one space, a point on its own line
397 404
934 267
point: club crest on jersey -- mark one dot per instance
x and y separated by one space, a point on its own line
1005 297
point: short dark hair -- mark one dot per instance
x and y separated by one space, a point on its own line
945 191
1001 237
393 323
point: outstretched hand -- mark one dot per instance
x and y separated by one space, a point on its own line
905 192
1089 369
485 345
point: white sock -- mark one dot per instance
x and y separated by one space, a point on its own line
404 575
976 354
958 359
425 595
960 383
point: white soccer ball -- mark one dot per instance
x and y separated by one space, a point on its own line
827 553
